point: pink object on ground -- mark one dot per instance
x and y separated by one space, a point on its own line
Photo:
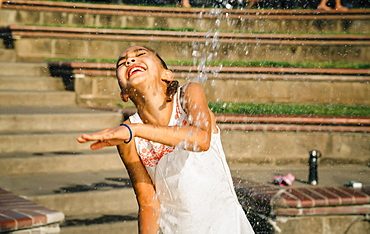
285 180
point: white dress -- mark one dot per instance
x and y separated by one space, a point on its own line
195 189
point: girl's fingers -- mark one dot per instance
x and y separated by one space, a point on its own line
101 144
107 137
90 137
81 140
98 145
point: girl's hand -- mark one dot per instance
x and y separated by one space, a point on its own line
107 137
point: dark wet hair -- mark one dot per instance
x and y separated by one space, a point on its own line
172 86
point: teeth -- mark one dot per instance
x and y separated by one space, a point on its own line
136 69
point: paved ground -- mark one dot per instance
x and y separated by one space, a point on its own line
43 184
336 175
49 184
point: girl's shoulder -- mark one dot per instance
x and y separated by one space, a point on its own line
190 88
191 93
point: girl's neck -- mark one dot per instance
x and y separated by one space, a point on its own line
153 108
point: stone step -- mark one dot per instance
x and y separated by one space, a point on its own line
60 162
249 20
18 215
234 84
253 147
37 98
290 146
41 142
59 118
302 207
7 55
113 224
92 195
76 194
2 44
30 83
194 45
24 69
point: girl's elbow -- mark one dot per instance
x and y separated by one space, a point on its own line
203 146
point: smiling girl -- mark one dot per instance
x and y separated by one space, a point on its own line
172 151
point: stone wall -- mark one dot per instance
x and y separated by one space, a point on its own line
282 148
103 91
62 48
247 24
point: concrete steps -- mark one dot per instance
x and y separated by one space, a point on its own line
52 119
39 124
30 142
92 201
24 69
39 156
234 84
26 83
232 35
103 43
88 193
30 84
39 98
6 54
59 162
123 225
248 20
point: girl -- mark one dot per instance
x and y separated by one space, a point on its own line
172 150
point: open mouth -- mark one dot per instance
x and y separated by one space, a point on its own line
135 69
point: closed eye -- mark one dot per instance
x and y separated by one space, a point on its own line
120 63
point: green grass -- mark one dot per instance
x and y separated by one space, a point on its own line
124 28
237 63
278 64
284 109
197 30
92 60
289 109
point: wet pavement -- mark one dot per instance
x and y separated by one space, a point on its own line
42 184
336 175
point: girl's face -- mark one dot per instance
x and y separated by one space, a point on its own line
137 65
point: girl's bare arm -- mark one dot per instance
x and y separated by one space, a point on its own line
149 207
195 136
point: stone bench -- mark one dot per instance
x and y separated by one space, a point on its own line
265 20
75 42
17 214
230 84
290 209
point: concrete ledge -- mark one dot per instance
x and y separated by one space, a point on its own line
184 36
141 16
293 119
278 148
68 42
73 7
305 200
108 69
17 214
293 123
292 128
96 84
288 210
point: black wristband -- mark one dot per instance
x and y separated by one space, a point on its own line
123 124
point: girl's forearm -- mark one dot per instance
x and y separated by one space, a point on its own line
189 137
148 220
